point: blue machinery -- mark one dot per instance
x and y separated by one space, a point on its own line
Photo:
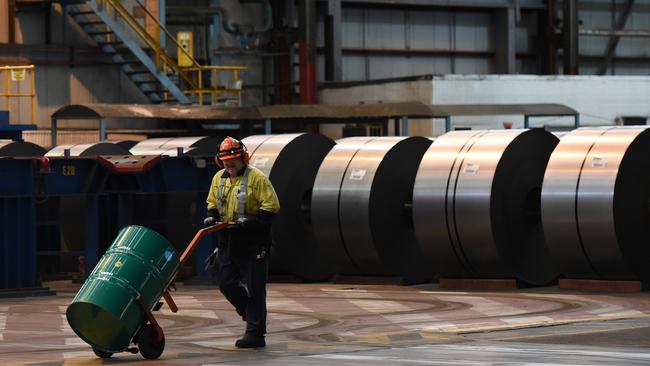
106 193
17 224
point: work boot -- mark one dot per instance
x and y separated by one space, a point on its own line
250 341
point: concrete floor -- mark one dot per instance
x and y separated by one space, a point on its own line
326 324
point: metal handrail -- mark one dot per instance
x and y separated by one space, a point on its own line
164 29
17 67
213 67
8 94
146 37
163 59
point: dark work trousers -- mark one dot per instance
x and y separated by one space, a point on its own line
249 300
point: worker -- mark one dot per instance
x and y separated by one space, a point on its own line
243 196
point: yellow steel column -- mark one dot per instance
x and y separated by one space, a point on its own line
8 86
165 92
213 72
33 94
200 87
109 37
157 46
236 76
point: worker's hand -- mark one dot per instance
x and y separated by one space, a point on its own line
209 221
239 224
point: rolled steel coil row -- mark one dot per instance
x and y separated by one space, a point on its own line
471 204
193 146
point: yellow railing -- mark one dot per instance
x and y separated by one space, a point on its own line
15 70
160 55
190 78
216 88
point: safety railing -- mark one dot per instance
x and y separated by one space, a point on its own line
18 74
190 78
210 80
160 56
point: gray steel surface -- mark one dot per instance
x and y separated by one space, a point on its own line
291 162
354 205
267 150
97 148
325 202
583 182
476 204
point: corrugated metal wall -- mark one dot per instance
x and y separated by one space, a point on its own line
386 30
471 32
597 14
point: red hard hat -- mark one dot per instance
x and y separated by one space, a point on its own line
230 148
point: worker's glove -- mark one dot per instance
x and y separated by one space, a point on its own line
209 221
258 221
239 224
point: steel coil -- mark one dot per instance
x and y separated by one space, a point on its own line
291 162
9 148
325 207
193 146
370 217
595 203
476 205
91 149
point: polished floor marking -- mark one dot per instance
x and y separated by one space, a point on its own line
485 306
65 327
528 320
3 320
75 341
381 306
79 354
286 304
416 317
352 293
433 327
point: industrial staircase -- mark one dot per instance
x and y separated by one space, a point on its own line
143 57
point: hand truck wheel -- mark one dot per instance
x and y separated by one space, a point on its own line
149 344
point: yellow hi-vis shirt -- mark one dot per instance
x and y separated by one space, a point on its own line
260 194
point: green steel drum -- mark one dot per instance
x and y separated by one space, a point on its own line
105 312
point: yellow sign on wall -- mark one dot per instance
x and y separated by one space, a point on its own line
186 42
18 75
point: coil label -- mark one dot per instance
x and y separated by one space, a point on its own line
471 168
261 162
357 174
598 162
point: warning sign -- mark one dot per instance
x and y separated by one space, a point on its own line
18 75
185 49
